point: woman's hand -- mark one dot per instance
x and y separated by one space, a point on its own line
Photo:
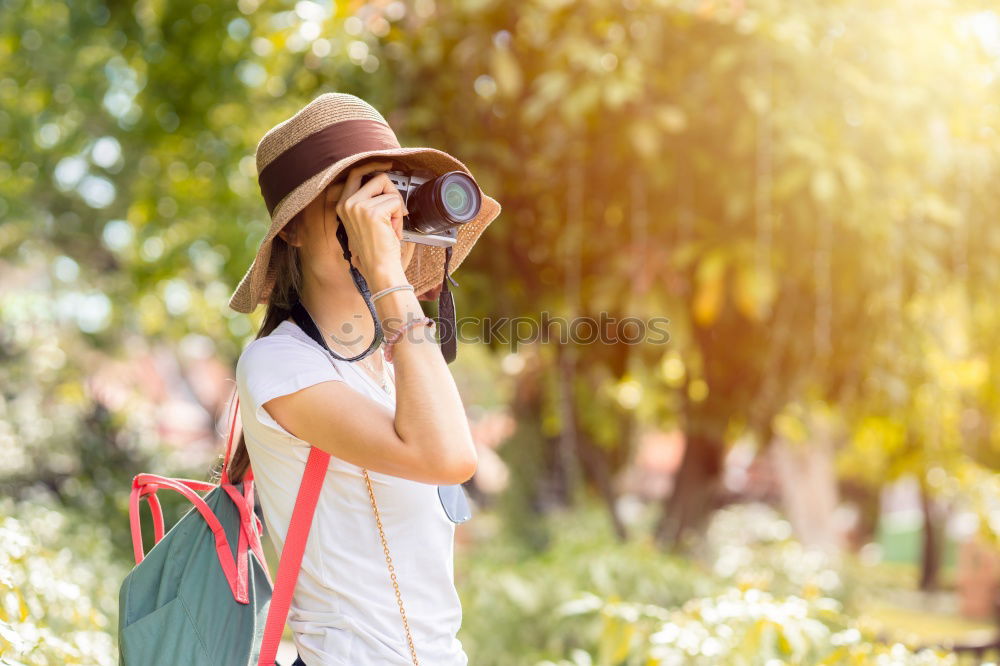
373 215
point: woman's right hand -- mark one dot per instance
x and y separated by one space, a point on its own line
373 215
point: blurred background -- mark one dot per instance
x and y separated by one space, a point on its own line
805 472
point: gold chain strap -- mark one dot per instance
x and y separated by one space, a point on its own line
392 570
388 558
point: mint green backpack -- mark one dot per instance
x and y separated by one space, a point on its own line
202 596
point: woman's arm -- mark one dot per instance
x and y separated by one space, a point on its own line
427 440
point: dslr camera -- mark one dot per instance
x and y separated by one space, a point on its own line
438 204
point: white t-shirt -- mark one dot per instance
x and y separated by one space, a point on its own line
344 610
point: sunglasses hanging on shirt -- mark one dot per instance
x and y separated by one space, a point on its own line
455 503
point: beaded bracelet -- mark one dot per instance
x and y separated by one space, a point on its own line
379 294
389 344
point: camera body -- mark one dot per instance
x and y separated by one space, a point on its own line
438 204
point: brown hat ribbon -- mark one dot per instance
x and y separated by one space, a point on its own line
318 151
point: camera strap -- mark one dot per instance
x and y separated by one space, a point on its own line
445 321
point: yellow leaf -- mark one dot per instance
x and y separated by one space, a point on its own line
506 72
709 288
824 186
754 292
673 370
645 138
671 118
791 427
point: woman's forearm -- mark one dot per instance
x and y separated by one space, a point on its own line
429 410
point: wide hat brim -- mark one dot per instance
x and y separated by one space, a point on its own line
426 268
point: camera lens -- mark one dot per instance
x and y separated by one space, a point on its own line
457 199
446 201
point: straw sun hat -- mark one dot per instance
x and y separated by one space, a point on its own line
300 156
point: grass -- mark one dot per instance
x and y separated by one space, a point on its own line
917 626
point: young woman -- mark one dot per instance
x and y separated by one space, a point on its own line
401 423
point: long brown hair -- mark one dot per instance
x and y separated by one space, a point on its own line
287 285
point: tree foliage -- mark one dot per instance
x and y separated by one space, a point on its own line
804 190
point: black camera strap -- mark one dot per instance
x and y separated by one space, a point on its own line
445 321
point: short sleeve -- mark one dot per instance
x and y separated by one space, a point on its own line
278 365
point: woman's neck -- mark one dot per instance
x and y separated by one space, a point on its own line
339 310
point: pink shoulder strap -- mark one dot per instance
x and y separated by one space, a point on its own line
291 553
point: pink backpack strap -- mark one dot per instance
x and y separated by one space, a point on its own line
291 553
233 568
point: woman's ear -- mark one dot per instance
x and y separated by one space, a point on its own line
289 233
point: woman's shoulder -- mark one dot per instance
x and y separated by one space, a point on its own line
281 343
